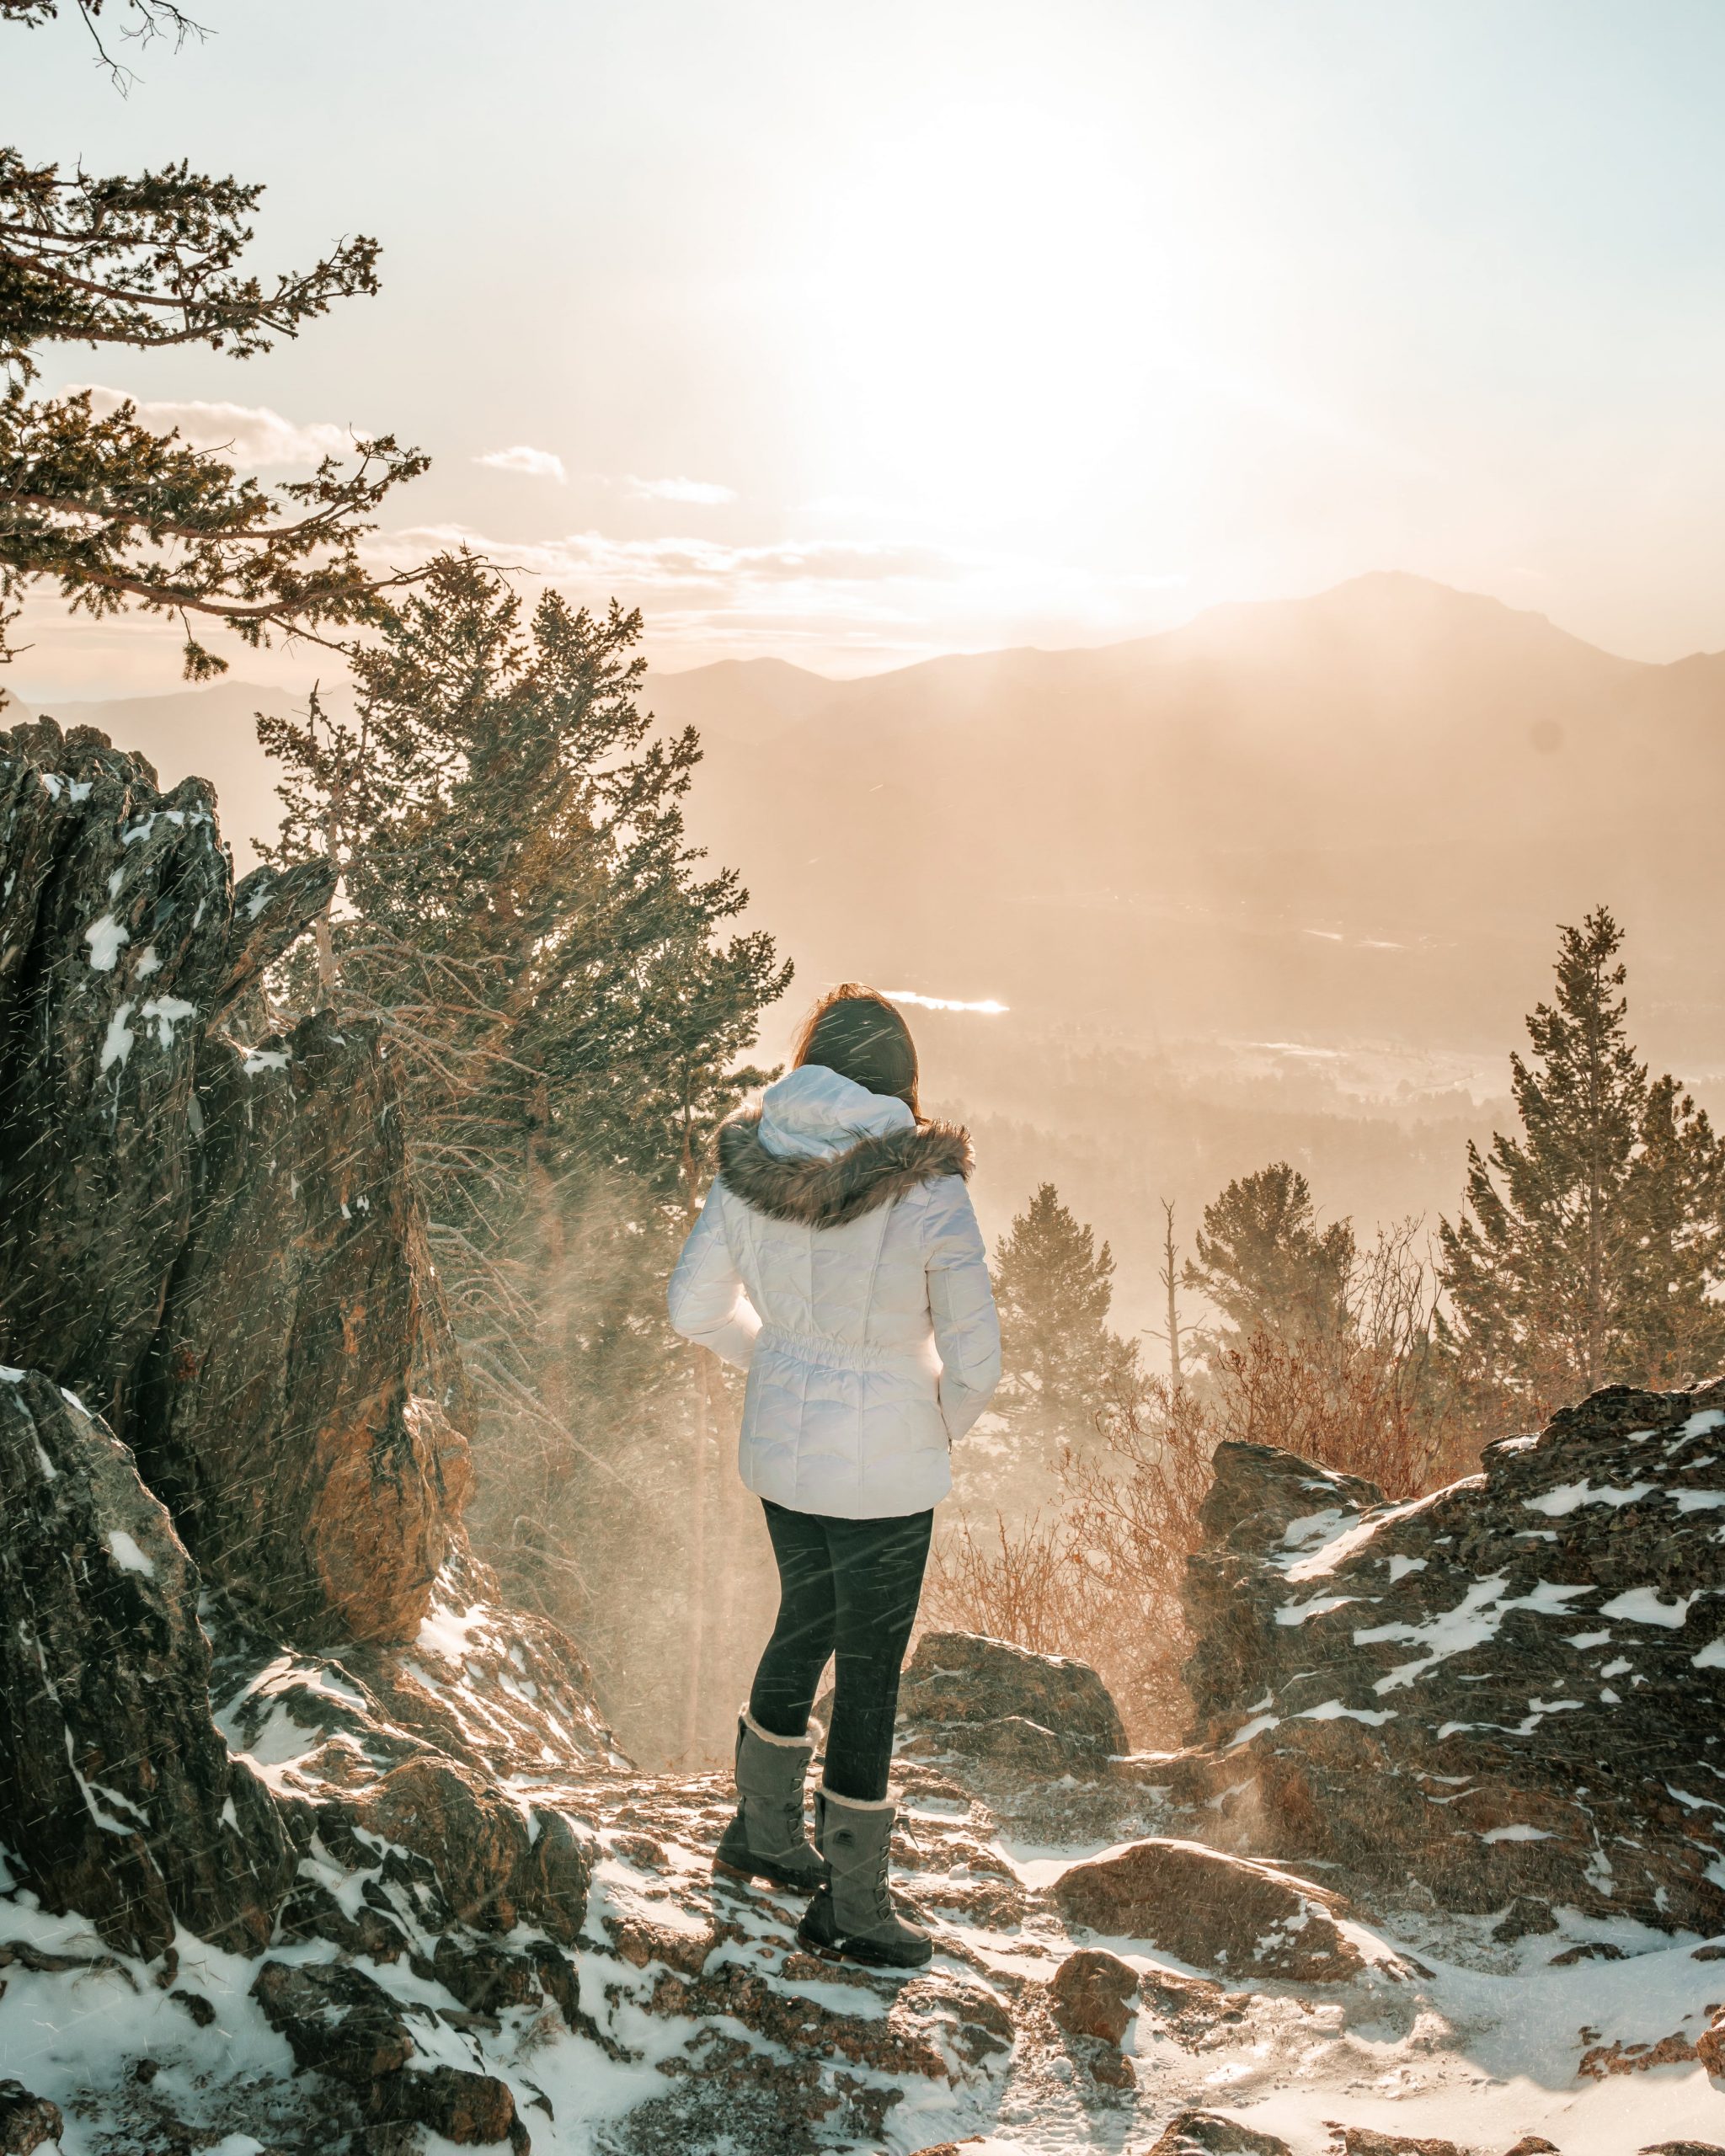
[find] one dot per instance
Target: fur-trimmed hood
(826, 1181)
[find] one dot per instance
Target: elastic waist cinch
(831, 1352)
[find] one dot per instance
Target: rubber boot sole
(761, 1876)
(863, 1954)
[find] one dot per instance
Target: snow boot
(854, 1917)
(766, 1839)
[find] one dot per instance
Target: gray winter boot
(766, 1839)
(855, 1916)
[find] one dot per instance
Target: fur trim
(855, 1803)
(806, 1742)
(827, 1191)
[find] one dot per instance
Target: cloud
(536, 463)
(248, 434)
(679, 490)
(828, 601)
(703, 568)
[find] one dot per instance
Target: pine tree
(520, 911)
(1061, 1363)
(112, 512)
(1589, 1251)
(1265, 1264)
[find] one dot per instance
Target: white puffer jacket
(837, 1259)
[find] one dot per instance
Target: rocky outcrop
(1002, 1710)
(215, 1243)
(118, 1798)
(1509, 1693)
(280, 1418)
(114, 929)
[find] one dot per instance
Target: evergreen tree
(520, 909)
(1061, 1364)
(1265, 1264)
(1589, 1251)
(113, 513)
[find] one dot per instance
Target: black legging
(849, 1588)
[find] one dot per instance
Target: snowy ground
(1487, 2047)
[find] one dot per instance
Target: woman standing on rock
(837, 1259)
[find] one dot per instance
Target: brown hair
(855, 1030)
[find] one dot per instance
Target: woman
(838, 1260)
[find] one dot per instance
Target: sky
(851, 334)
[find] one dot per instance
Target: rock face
(1512, 1692)
(114, 928)
(279, 1420)
(215, 1244)
(117, 1795)
(1001, 1707)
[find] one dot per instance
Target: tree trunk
(697, 1488)
(1595, 1190)
(1170, 1277)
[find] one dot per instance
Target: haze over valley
(1281, 882)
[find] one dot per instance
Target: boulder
(1023, 1717)
(1368, 2141)
(337, 2019)
(26, 2122)
(1207, 2134)
(1500, 1691)
(1214, 1911)
(117, 1798)
(1091, 1994)
(471, 2109)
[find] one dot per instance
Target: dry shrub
(1101, 1579)
(1378, 1398)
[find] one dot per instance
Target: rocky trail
(310, 1845)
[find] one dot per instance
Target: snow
(1711, 1656)
(1325, 1558)
(1568, 1497)
(1644, 1605)
(106, 939)
(1333, 1711)
(127, 1554)
(148, 963)
(93, 1793)
(1297, 1613)
(167, 1011)
(116, 1042)
(263, 1058)
(449, 1636)
(1470, 1624)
